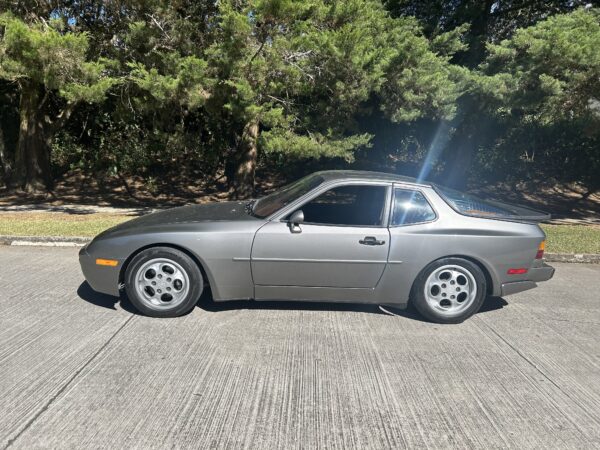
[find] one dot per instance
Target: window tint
(347, 205)
(410, 207)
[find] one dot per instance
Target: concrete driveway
(77, 370)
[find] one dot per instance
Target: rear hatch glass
(471, 205)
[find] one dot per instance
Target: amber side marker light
(540, 252)
(107, 262)
(516, 271)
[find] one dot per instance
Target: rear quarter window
(411, 207)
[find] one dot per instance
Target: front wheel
(163, 282)
(449, 290)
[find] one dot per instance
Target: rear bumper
(516, 286)
(535, 275)
(543, 273)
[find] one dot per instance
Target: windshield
(277, 200)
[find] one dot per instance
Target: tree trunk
(457, 171)
(32, 158)
(4, 161)
(246, 163)
(469, 131)
(479, 29)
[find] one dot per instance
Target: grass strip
(57, 224)
(572, 238)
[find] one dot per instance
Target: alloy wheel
(450, 289)
(162, 283)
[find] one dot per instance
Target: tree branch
(4, 161)
(159, 26)
(60, 120)
(262, 44)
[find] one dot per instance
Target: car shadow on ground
(86, 293)
(206, 302)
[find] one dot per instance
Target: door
(343, 242)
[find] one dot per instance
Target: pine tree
(50, 67)
(291, 76)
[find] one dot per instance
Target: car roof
(330, 175)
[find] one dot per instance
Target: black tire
(184, 305)
(418, 295)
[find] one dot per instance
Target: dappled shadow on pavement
(206, 303)
(74, 209)
(76, 193)
(568, 204)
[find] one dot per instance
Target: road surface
(77, 369)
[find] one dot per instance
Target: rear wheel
(163, 282)
(449, 290)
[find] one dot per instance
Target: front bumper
(102, 279)
(534, 275)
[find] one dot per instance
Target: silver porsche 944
(333, 236)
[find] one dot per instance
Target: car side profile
(333, 236)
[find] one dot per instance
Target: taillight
(516, 271)
(540, 252)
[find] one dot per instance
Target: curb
(572, 258)
(76, 241)
(45, 241)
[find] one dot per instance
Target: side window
(354, 205)
(410, 207)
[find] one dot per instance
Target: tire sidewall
(187, 263)
(418, 291)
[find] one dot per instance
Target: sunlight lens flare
(440, 140)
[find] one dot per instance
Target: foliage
(43, 54)
(543, 85)
(46, 63)
(551, 71)
(473, 88)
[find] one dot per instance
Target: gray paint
(249, 258)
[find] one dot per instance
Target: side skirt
(314, 294)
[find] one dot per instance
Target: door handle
(370, 240)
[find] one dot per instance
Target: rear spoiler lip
(536, 217)
(528, 219)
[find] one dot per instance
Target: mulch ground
(566, 203)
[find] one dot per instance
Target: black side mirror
(295, 220)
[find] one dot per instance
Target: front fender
(222, 249)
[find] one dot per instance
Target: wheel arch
(187, 251)
(490, 281)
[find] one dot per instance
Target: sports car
(333, 236)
